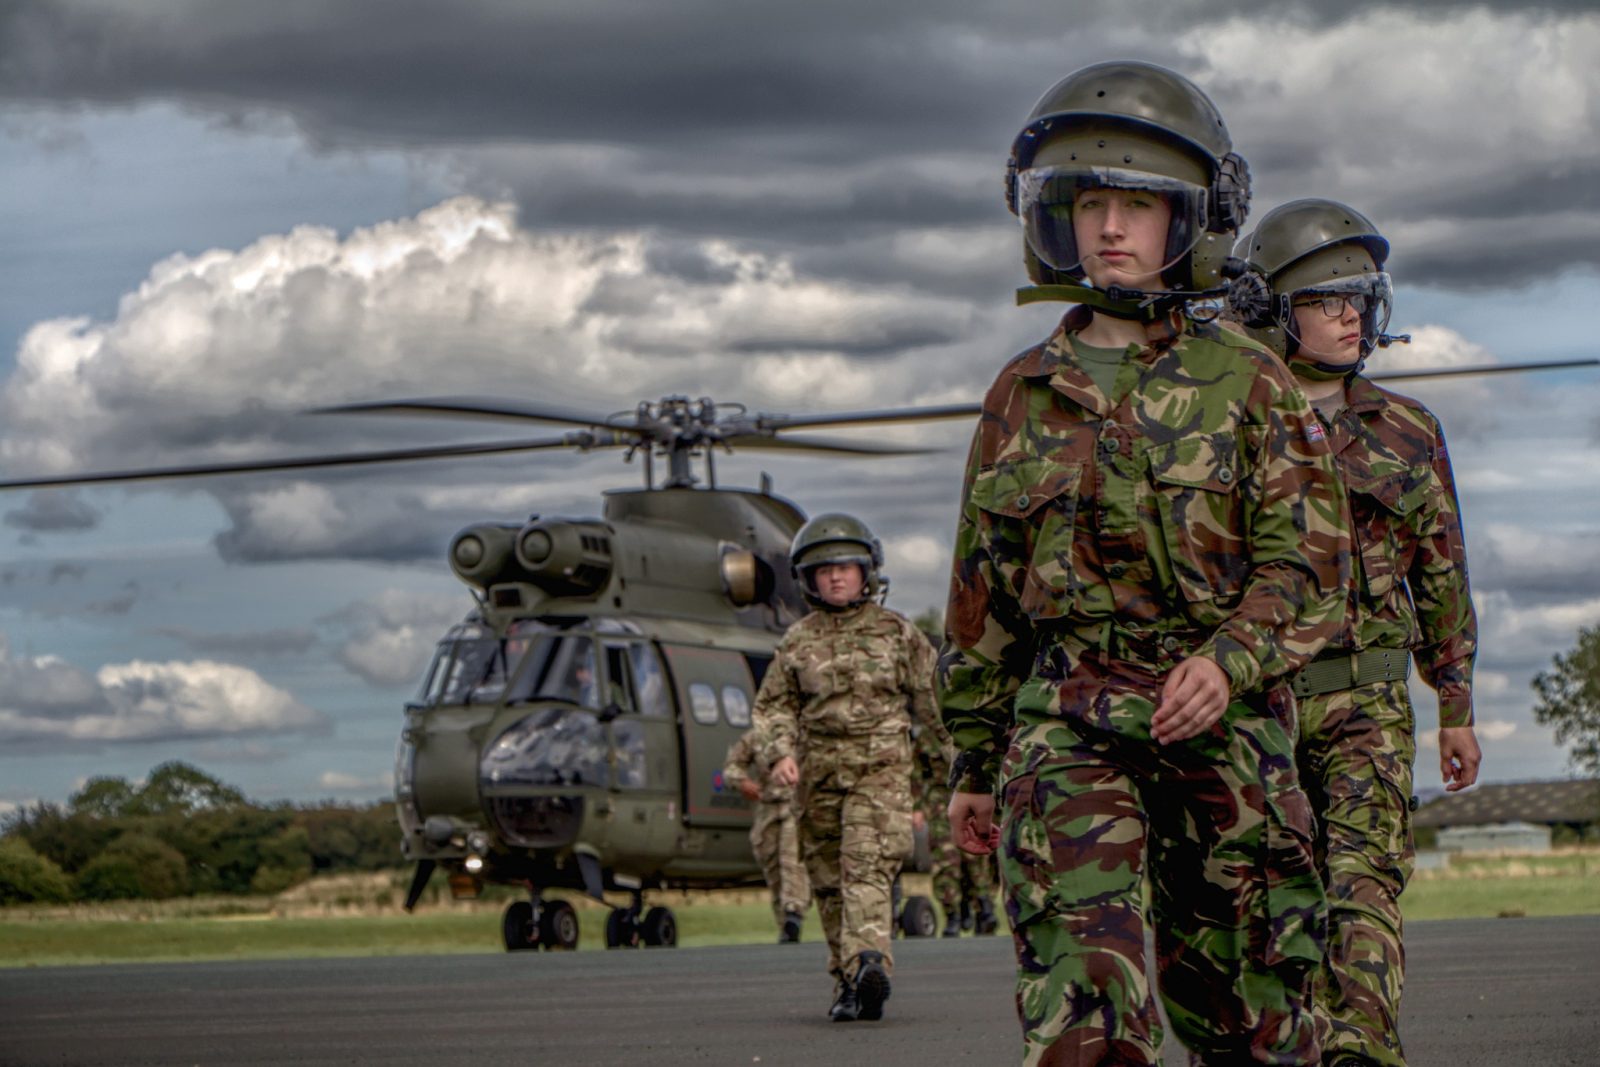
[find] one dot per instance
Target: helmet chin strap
(1317, 371)
(1134, 305)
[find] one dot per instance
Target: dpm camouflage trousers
(854, 800)
(775, 840)
(1221, 830)
(1357, 748)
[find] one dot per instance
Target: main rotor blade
(1487, 368)
(761, 442)
(579, 440)
(860, 418)
(471, 407)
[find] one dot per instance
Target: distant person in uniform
(834, 715)
(963, 883)
(774, 836)
(1321, 299)
(1152, 538)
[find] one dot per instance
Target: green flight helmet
(1130, 125)
(1306, 249)
(837, 538)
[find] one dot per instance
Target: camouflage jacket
(743, 766)
(1410, 588)
(1197, 514)
(856, 673)
(930, 772)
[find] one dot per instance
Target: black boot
(790, 935)
(952, 923)
(846, 1009)
(987, 922)
(871, 985)
(966, 915)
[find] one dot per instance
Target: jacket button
(1023, 502)
(1225, 476)
(1110, 444)
(1169, 643)
(1117, 570)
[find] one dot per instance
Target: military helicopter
(570, 732)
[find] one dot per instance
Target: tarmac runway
(1501, 992)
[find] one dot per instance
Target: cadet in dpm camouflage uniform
(1317, 295)
(1151, 540)
(774, 836)
(963, 883)
(834, 714)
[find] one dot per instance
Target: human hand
(1459, 757)
(750, 790)
(1193, 698)
(786, 771)
(919, 821)
(972, 823)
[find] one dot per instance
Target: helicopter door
(644, 747)
(714, 691)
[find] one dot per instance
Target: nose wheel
(535, 924)
(631, 926)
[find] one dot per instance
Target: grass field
(356, 916)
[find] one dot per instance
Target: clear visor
(1316, 312)
(1072, 214)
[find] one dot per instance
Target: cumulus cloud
(53, 511)
(47, 701)
(208, 358)
(393, 635)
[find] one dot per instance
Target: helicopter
(569, 733)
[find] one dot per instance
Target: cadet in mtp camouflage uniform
(774, 836)
(1317, 295)
(963, 883)
(1151, 540)
(834, 714)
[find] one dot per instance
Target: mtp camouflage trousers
(1223, 833)
(854, 801)
(1357, 748)
(775, 840)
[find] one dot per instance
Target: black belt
(1346, 670)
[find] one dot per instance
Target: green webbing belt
(1346, 670)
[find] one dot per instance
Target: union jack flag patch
(1314, 432)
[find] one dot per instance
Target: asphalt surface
(1479, 992)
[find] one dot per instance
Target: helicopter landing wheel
(917, 918)
(660, 928)
(622, 928)
(518, 928)
(558, 927)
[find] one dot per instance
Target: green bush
(134, 866)
(29, 878)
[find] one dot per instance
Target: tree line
(182, 833)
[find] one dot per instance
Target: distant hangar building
(1515, 816)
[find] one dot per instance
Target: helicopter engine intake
(566, 558)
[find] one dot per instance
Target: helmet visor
(1370, 296)
(1070, 213)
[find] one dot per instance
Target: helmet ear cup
(1230, 194)
(1250, 299)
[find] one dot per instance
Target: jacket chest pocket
(1029, 507)
(1386, 513)
(1195, 490)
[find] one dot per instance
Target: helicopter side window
(649, 682)
(619, 690)
(736, 706)
(572, 674)
(703, 704)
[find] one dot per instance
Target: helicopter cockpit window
(472, 665)
(649, 682)
(619, 680)
(736, 706)
(566, 671)
(554, 746)
(703, 704)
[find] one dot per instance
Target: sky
(216, 217)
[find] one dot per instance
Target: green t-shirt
(1101, 364)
